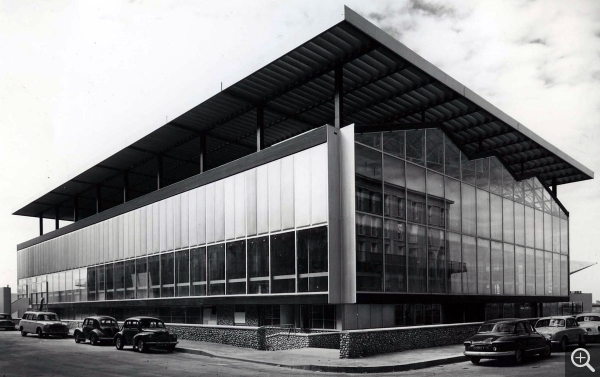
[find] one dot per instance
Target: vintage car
(561, 331)
(590, 322)
(144, 333)
(97, 329)
(6, 322)
(508, 337)
(42, 324)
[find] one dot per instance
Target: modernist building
(347, 184)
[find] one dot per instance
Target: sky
(80, 80)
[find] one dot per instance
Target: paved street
(31, 356)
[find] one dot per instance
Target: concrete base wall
(361, 343)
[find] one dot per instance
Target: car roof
(557, 317)
(99, 317)
(36, 312)
(587, 314)
(511, 320)
(143, 317)
(5, 314)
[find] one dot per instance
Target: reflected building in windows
(348, 184)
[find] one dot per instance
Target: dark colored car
(6, 322)
(97, 330)
(144, 333)
(508, 337)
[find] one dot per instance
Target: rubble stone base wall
(359, 343)
(233, 336)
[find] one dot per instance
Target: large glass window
(368, 180)
(258, 265)
(393, 143)
(548, 273)
(483, 267)
(539, 230)
(141, 277)
(91, 284)
(372, 139)
(469, 210)
(216, 269)
(519, 224)
(417, 259)
(182, 259)
(539, 273)
(119, 279)
(469, 257)
(509, 269)
(452, 203)
(483, 213)
(468, 170)
(436, 260)
(555, 274)
(312, 260)
(394, 202)
(167, 275)
(496, 217)
(529, 227)
(198, 271)
(415, 146)
(100, 281)
(455, 267)
(369, 253)
(236, 267)
(415, 182)
(452, 159)
(436, 208)
(508, 224)
(283, 266)
(496, 176)
(530, 272)
(497, 267)
(154, 276)
(564, 236)
(519, 270)
(482, 171)
(129, 279)
(564, 276)
(395, 256)
(435, 150)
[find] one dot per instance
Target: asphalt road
(30, 356)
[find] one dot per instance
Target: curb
(339, 369)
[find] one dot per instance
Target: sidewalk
(327, 360)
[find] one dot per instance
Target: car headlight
(589, 330)
(548, 336)
(46, 327)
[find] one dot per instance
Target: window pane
(415, 146)
(453, 218)
(436, 260)
(495, 176)
(497, 266)
(372, 139)
(482, 170)
(539, 229)
(395, 256)
(198, 271)
(436, 211)
(555, 234)
(454, 265)
(509, 269)
(100, 280)
(507, 185)
(368, 180)
(415, 177)
(469, 258)
(283, 266)
(483, 213)
(519, 224)
(548, 273)
(530, 279)
(539, 273)
(216, 269)
(564, 276)
(483, 266)
(167, 275)
(519, 270)
(154, 277)
(258, 265)
(452, 158)
(119, 275)
(369, 253)
(394, 188)
(555, 274)
(496, 217)
(529, 227)
(547, 231)
(236, 267)
(141, 278)
(183, 273)
(508, 225)
(312, 258)
(468, 169)
(468, 209)
(564, 236)
(435, 149)
(393, 143)
(519, 194)
(109, 281)
(417, 259)
(129, 279)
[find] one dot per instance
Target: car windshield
(591, 318)
(152, 323)
(48, 317)
(550, 323)
(5, 316)
(497, 327)
(108, 322)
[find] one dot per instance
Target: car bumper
(7, 327)
(56, 332)
(161, 344)
(594, 338)
(489, 355)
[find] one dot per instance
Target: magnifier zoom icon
(581, 358)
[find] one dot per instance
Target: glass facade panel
(455, 268)
(236, 267)
(251, 208)
(393, 143)
(555, 234)
(530, 272)
(415, 146)
(483, 213)
(258, 265)
(547, 231)
(468, 170)
(312, 260)
(394, 202)
(182, 260)
(555, 274)
(154, 277)
(496, 217)
(368, 180)
(216, 269)
(495, 176)
(167, 275)
(564, 276)
(519, 224)
(548, 273)
(436, 208)
(119, 279)
(469, 257)
(436, 259)
(520, 270)
(141, 277)
(564, 236)
(539, 230)
(497, 267)
(529, 227)
(469, 209)
(417, 259)
(482, 171)
(283, 263)
(100, 283)
(372, 139)
(395, 256)
(129, 277)
(539, 273)
(435, 149)
(451, 158)
(507, 185)
(369, 253)
(483, 267)
(415, 179)
(509, 269)
(453, 205)
(198, 271)
(508, 223)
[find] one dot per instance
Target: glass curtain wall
(428, 219)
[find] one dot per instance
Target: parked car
(590, 322)
(43, 324)
(144, 333)
(6, 322)
(508, 337)
(96, 329)
(561, 331)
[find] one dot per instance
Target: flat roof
(384, 83)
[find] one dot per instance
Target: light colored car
(591, 323)
(561, 331)
(43, 324)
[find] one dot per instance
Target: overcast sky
(80, 80)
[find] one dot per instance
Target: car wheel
(519, 355)
(475, 360)
(546, 352)
(23, 333)
(141, 345)
(581, 341)
(119, 343)
(94, 340)
(563, 344)
(39, 333)
(76, 336)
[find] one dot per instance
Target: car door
(130, 330)
(572, 332)
(86, 328)
(29, 323)
(522, 336)
(535, 340)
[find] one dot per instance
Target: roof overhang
(384, 83)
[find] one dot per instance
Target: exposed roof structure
(384, 83)
(576, 266)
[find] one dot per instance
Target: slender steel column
(159, 172)
(56, 217)
(125, 186)
(339, 97)
(98, 199)
(554, 188)
(41, 225)
(75, 209)
(260, 127)
(202, 152)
